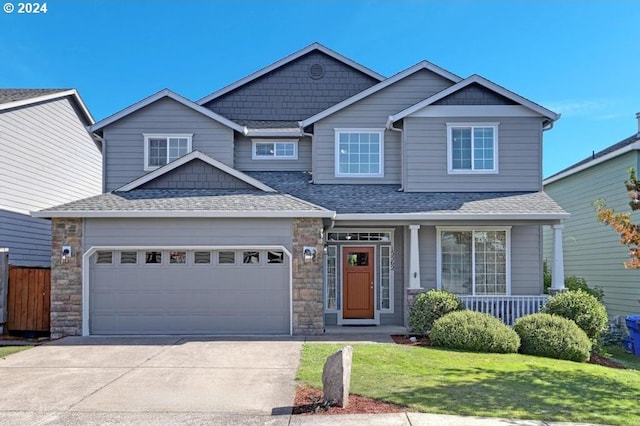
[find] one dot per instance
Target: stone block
(336, 377)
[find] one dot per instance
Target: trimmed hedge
(430, 306)
(475, 332)
(581, 307)
(552, 336)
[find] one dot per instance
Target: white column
(557, 268)
(414, 259)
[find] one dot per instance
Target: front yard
(513, 386)
(8, 350)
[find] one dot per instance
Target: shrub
(475, 332)
(581, 307)
(552, 336)
(430, 306)
(573, 283)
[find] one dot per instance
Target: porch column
(414, 259)
(557, 268)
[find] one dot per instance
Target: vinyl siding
(243, 148)
(526, 258)
(124, 140)
(593, 250)
(192, 231)
(372, 112)
(196, 174)
(519, 156)
(47, 157)
(28, 239)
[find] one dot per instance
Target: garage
(189, 290)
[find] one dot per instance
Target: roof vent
(316, 71)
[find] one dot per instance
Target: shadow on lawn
(538, 393)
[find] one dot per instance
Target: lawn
(8, 350)
(512, 386)
(617, 353)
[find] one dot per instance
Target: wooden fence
(29, 299)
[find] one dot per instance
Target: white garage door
(174, 291)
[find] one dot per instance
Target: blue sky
(577, 58)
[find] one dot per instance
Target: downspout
(303, 134)
(402, 149)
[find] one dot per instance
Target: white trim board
(86, 263)
(424, 65)
(188, 158)
(287, 59)
(49, 97)
(166, 93)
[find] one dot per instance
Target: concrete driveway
(161, 380)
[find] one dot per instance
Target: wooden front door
(358, 282)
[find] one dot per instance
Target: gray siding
(372, 112)
(243, 147)
(519, 156)
(289, 93)
(593, 250)
(47, 157)
(192, 231)
(196, 174)
(124, 140)
(474, 94)
(28, 239)
(526, 259)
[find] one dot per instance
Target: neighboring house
(593, 250)
(47, 157)
(311, 193)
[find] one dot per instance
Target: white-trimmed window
(472, 147)
(274, 150)
(359, 152)
(161, 149)
(474, 261)
(331, 279)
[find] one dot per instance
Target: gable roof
(475, 79)
(423, 65)
(629, 144)
(286, 60)
(15, 98)
(165, 93)
(190, 157)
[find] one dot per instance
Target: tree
(621, 222)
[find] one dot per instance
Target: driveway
(150, 380)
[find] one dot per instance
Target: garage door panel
(189, 299)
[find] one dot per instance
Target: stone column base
(411, 296)
(554, 291)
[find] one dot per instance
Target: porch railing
(506, 308)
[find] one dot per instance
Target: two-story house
(314, 192)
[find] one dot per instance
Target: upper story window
(359, 152)
(275, 150)
(472, 148)
(160, 149)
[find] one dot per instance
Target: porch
(506, 308)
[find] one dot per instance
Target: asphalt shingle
(14, 95)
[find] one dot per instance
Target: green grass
(494, 385)
(617, 353)
(8, 350)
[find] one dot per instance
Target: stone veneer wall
(66, 278)
(308, 312)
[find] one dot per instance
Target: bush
(430, 306)
(552, 336)
(581, 307)
(573, 283)
(475, 332)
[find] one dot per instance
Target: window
(153, 257)
(275, 257)
(105, 257)
(275, 150)
(202, 257)
(474, 262)
(226, 257)
(162, 149)
(385, 277)
(251, 257)
(128, 257)
(359, 152)
(472, 148)
(177, 257)
(332, 278)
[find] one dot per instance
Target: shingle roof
(268, 124)
(181, 200)
(625, 142)
(14, 95)
(382, 199)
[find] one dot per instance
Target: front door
(358, 282)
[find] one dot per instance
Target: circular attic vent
(316, 71)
